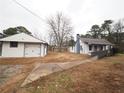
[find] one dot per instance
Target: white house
(90, 46)
(22, 45)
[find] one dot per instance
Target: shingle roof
(95, 41)
(22, 37)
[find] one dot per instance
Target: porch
(100, 50)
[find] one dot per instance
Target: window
(13, 44)
(95, 48)
(90, 47)
(101, 48)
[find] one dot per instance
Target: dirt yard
(103, 76)
(64, 57)
(51, 57)
(13, 77)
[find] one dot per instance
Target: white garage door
(32, 50)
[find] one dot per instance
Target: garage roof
(22, 37)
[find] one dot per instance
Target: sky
(83, 13)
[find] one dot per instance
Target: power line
(28, 10)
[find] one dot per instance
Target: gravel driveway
(7, 71)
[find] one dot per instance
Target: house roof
(95, 41)
(22, 37)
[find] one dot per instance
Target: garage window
(13, 44)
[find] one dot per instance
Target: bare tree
(118, 28)
(37, 35)
(59, 29)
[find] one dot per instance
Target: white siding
(43, 50)
(8, 51)
(85, 48)
(24, 50)
(71, 49)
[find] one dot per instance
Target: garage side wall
(8, 51)
(46, 50)
(43, 50)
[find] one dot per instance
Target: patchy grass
(29, 64)
(116, 58)
(120, 54)
(64, 57)
(115, 62)
(62, 81)
(51, 57)
(103, 76)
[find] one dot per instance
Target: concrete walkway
(44, 69)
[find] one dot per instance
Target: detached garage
(22, 45)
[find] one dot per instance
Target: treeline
(109, 30)
(15, 30)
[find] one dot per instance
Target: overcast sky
(83, 13)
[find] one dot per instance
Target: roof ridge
(22, 37)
